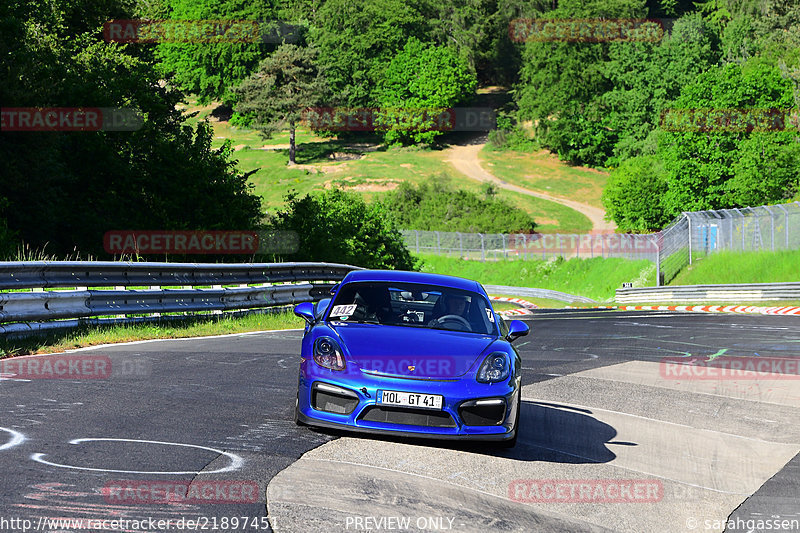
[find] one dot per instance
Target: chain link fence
(687, 238)
(495, 246)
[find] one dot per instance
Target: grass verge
(742, 267)
(192, 327)
(595, 278)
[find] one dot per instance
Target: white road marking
(17, 438)
(236, 461)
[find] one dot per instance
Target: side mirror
(320, 307)
(516, 328)
(305, 310)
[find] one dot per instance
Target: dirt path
(465, 159)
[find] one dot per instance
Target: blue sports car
(410, 354)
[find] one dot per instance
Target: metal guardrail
(538, 293)
(754, 292)
(52, 274)
(40, 309)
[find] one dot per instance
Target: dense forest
(596, 102)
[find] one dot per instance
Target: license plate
(410, 399)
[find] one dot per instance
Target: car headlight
(328, 354)
(494, 369)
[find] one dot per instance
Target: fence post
(524, 246)
(416, 234)
(741, 217)
(483, 249)
(460, 245)
(688, 218)
(438, 244)
(505, 251)
(771, 226)
(785, 224)
(658, 260)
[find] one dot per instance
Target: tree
(719, 169)
(646, 77)
(209, 69)
(66, 189)
(420, 78)
(286, 84)
(562, 83)
(435, 205)
(340, 227)
(632, 195)
(357, 39)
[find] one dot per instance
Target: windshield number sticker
(490, 315)
(343, 311)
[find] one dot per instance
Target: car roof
(452, 282)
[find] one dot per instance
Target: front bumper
(359, 410)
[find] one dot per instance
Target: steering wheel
(409, 316)
(452, 318)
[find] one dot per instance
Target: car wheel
(297, 411)
(510, 443)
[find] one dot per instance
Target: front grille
(472, 413)
(409, 417)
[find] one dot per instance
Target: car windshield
(413, 305)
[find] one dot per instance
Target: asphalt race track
(213, 417)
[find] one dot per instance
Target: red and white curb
(525, 306)
(746, 309)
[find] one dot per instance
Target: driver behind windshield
(452, 304)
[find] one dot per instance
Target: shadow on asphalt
(548, 433)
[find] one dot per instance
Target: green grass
(191, 327)
(596, 278)
(541, 171)
(741, 267)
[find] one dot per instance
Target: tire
(297, 411)
(510, 443)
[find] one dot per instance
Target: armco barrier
(754, 292)
(38, 310)
(538, 293)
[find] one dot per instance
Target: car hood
(411, 352)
